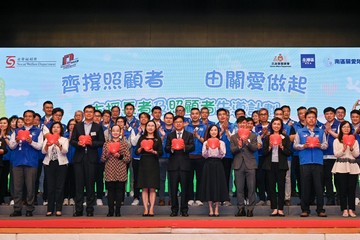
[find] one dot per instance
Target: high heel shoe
(345, 213)
(58, 213)
(352, 214)
(274, 213)
(49, 214)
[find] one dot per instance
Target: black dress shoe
(241, 213)
(184, 214)
(90, 214)
(173, 214)
(250, 213)
(151, 215)
(29, 214)
(16, 214)
(77, 214)
(110, 214)
(117, 214)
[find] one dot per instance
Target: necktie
(179, 135)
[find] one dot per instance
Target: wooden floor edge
(180, 230)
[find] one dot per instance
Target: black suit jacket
(179, 159)
(283, 154)
(91, 152)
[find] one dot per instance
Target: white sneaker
(71, 202)
(357, 201)
(45, 203)
(191, 202)
(227, 203)
(199, 203)
(66, 202)
(135, 202)
(12, 203)
(99, 202)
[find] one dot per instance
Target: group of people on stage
(265, 161)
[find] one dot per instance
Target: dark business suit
(179, 169)
(276, 171)
(85, 164)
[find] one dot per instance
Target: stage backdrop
(248, 78)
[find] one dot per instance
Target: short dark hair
(355, 111)
(48, 102)
(156, 108)
(129, 104)
(144, 113)
(221, 110)
(278, 109)
(89, 106)
(241, 119)
(115, 107)
(341, 107)
(106, 111)
(177, 117)
(285, 106)
(300, 108)
(169, 113)
(329, 109)
(55, 110)
(310, 112)
(30, 111)
(240, 110)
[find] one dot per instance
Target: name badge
(93, 134)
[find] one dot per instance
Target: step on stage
(132, 225)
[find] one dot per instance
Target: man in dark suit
(85, 160)
(179, 166)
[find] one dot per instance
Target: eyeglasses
(179, 110)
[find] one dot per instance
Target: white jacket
(62, 158)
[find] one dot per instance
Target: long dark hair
(156, 134)
(207, 135)
(341, 134)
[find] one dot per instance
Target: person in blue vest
(180, 111)
(156, 113)
(331, 131)
(198, 130)
(164, 158)
(131, 120)
(355, 125)
(311, 164)
(48, 107)
(226, 130)
(340, 113)
(263, 130)
(115, 112)
(25, 161)
(295, 163)
(204, 116)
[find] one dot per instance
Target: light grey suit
(244, 165)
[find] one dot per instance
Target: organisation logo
(69, 61)
(280, 61)
(307, 60)
(28, 62)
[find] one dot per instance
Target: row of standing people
(227, 162)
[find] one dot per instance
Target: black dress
(149, 168)
(213, 181)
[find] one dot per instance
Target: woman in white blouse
(55, 165)
(346, 169)
(213, 181)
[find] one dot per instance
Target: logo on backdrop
(69, 61)
(13, 62)
(280, 61)
(307, 60)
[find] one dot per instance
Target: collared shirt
(87, 127)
